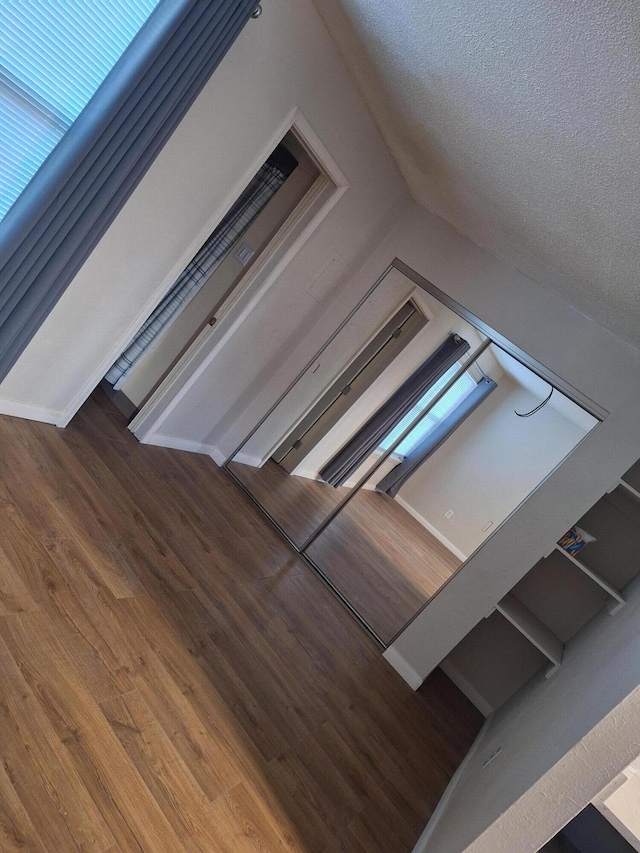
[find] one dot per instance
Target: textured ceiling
(519, 123)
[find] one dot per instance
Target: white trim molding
(433, 530)
(246, 459)
(285, 245)
(403, 668)
(175, 443)
(30, 412)
(218, 456)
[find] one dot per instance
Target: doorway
(210, 283)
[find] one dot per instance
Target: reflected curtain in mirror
(395, 479)
(368, 438)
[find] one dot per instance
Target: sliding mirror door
(327, 432)
(460, 472)
(404, 445)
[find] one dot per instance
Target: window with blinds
(53, 56)
(465, 384)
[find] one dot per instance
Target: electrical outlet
(448, 513)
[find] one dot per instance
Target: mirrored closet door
(402, 446)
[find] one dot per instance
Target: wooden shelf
(532, 628)
(615, 594)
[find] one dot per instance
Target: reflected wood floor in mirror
(385, 563)
(174, 678)
(298, 504)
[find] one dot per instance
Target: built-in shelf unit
(530, 627)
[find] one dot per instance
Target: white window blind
(53, 56)
(465, 384)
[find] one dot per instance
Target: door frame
(277, 254)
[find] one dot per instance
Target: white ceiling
(518, 122)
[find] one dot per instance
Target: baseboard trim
(29, 411)
(175, 443)
(422, 844)
(307, 473)
(403, 668)
(248, 459)
(218, 456)
(433, 530)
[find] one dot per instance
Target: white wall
(489, 466)
(284, 60)
(563, 739)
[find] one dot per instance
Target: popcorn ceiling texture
(519, 123)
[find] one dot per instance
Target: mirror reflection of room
(476, 455)
(486, 431)
(399, 331)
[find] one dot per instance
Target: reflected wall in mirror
(405, 443)
(400, 346)
(477, 454)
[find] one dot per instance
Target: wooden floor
(385, 563)
(298, 504)
(174, 679)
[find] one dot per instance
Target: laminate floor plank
(14, 594)
(175, 679)
(78, 630)
(197, 665)
(379, 828)
(108, 776)
(298, 504)
(17, 833)
(385, 563)
(38, 766)
(181, 799)
(130, 659)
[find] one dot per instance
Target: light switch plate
(244, 254)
